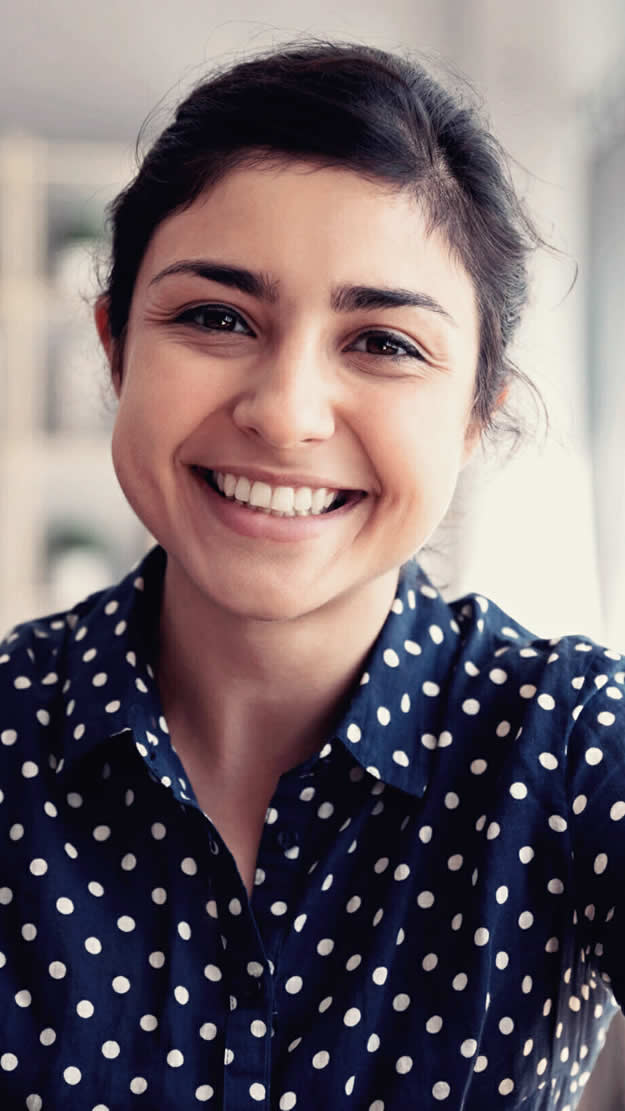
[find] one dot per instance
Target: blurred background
(544, 535)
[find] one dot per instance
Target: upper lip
(258, 474)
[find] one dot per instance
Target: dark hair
(386, 118)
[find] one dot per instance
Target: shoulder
(550, 682)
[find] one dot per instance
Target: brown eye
(212, 318)
(389, 346)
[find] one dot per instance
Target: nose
(288, 400)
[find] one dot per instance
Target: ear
(102, 323)
(472, 440)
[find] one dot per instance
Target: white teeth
(318, 500)
(242, 489)
(302, 501)
(285, 501)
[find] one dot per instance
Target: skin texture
(296, 387)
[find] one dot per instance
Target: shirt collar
(390, 727)
(393, 723)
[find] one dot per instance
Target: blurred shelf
(64, 518)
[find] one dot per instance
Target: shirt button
(287, 839)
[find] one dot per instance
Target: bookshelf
(65, 527)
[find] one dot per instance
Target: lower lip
(264, 526)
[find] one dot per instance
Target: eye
(213, 318)
(390, 346)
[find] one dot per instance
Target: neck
(258, 693)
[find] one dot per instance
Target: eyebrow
(345, 298)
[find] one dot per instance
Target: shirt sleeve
(596, 817)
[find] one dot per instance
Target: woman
(284, 828)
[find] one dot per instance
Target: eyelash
(390, 338)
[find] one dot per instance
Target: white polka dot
(601, 863)
(65, 906)
(434, 1024)
(403, 1065)
(593, 756)
(352, 1017)
(401, 1002)
(527, 691)
(325, 947)
(379, 975)
(93, 945)
(617, 811)
(102, 833)
(481, 936)
(555, 886)
(526, 919)
(460, 981)
(400, 757)
(506, 1087)
(526, 854)
(121, 985)
(321, 1059)
(138, 1085)
(480, 1064)
(468, 1047)
(501, 894)
(181, 995)
(518, 791)
(149, 1023)
(287, 1101)
(294, 984)
(57, 970)
(208, 1031)
(430, 689)
(158, 831)
(111, 1050)
(506, 1025)
(29, 769)
(546, 701)
(425, 899)
(72, 1075)
(471, 706)
(278, 908)
(175, 1058)
(353, 733)
(606, 718)
(47, 1036)
(204, 1093)
(212, 972)
(429, 962)
(441, 1089)
(557, 823)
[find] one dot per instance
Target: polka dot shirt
(436, 918)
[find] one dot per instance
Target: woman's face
(336, 348)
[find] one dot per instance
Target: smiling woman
(318, 837)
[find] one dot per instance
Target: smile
(278, 501)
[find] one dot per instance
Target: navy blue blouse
(436, 918)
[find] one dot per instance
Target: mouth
(334, 499)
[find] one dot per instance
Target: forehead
(310, 226)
